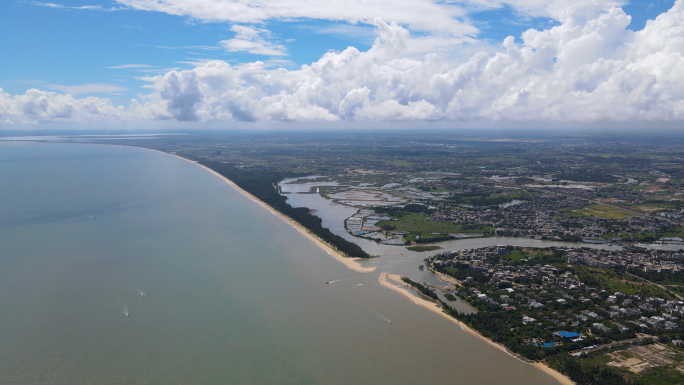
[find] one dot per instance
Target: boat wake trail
(337, 280)
(125, 311)
(382, 316)
(142, 294)
(367, 301)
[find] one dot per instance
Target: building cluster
(646, 261)
(546, 217)
(554, 298)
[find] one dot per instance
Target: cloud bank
(589, 67)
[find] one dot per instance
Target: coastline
(351, 263)
(445, 278)
(385, 279)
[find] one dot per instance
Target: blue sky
(62, 46)
(111, 49)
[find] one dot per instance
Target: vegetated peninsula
(263, 185)
(598, 317)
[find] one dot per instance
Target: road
(655, 284)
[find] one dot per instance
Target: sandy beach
(351, 263)
(394, 282)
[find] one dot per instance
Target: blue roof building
(568, 334)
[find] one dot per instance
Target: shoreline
(445, 278)
(353, 264)
(385, 279)
(350, 263)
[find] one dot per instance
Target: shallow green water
(232, 295)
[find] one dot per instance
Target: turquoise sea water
(232, 294)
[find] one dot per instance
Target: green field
(661, 376)
(527, 253)
(521, 194)
(517, 255)
(400, 163)
(416, 223)
(674, 232)
(599, 211)
(613, 281)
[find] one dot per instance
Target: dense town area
(539, 302)
(610, 316)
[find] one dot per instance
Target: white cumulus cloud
(36, 106)
(583, 69)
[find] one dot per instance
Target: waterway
(398, 259)
(333, 215)
(231, 294)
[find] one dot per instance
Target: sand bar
(351, 263)
(395, 283)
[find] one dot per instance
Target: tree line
(262, 184)
(409, 208)
(424, 290)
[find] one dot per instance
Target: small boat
(327, 282)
